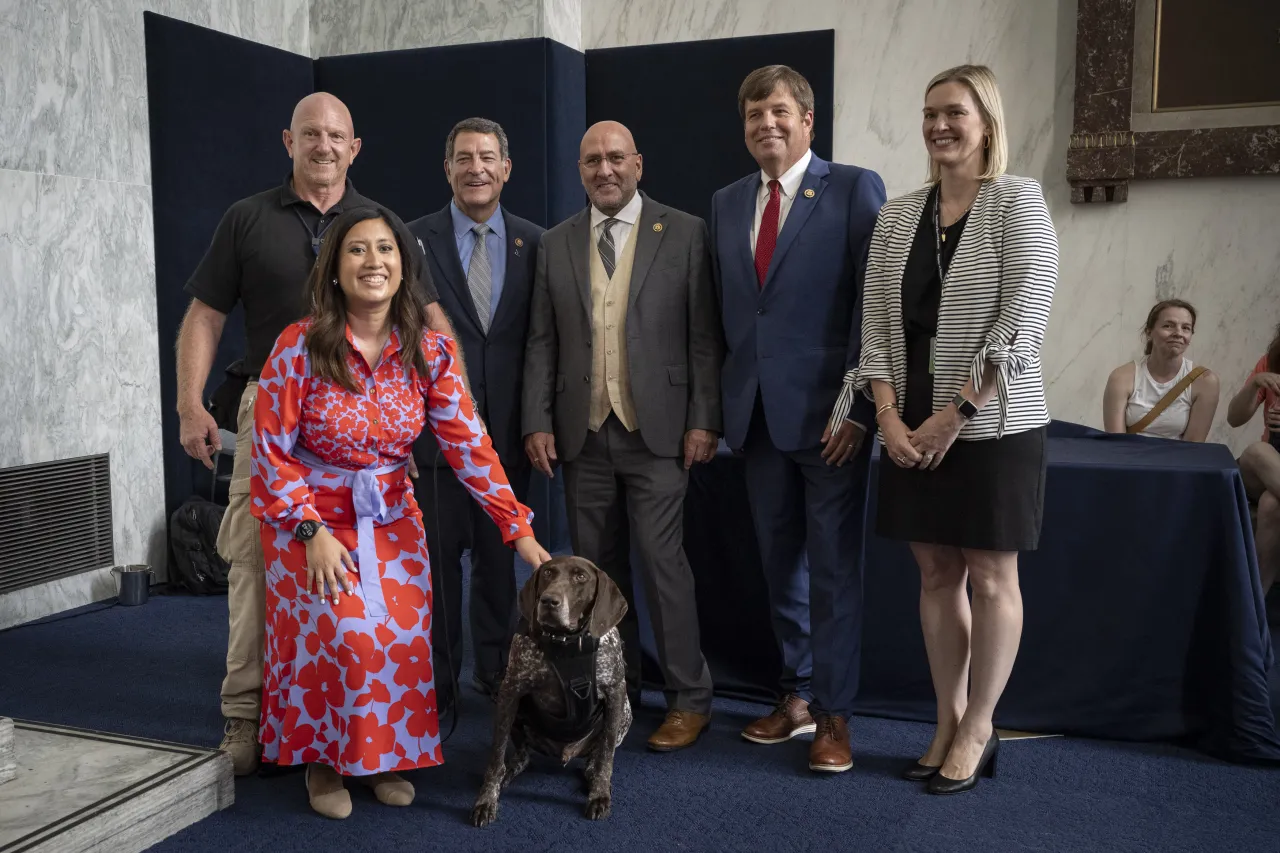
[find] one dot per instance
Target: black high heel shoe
(940, 784)
(917, 772)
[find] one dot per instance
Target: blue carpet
(154, 671)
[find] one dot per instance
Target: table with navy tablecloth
(1144, 617)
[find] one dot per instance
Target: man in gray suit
(622, 385)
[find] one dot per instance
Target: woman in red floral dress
(348, 688)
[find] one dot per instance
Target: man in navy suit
(482, 260)
(790, 244)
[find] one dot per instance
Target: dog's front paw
(598, 808)
(485, 813)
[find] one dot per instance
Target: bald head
(319, 107)
(609, 165)
(611, 134)
(322, 143)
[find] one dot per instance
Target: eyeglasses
(615, 159)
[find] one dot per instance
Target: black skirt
(987, 495)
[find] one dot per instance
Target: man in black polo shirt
(261, 256)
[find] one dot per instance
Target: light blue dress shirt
(495, 242)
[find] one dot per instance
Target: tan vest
(610, 376)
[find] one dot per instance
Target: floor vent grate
(55, 521)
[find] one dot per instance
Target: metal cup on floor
(135, 583)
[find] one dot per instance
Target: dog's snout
(550, 600)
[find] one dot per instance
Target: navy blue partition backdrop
(217, 105)
(680, 101)
(532, 87)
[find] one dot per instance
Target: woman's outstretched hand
(531, 552)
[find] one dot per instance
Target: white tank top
(1172, 422)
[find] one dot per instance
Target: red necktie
(767, 239)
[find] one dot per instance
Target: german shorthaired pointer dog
(565, 689)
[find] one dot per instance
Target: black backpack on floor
(193, 537)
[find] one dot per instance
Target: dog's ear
(610, 605)
(529, 599)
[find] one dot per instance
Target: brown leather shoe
(678, 730)
(831, 751)
(788, 719)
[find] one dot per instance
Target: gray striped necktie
(608, 253)
(480, 276)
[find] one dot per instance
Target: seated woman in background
(1260, 462)
(1163, 394)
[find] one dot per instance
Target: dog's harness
(572, 657)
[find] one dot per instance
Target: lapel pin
(519, 242)
(809, 193)
(657, 226)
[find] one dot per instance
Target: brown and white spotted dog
(565, 689)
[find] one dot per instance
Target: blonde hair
(981, 82)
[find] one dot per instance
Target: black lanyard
(937, 236)
(937, 233)
(317, 237)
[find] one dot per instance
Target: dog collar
(579, 641)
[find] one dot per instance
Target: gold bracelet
(883, 408)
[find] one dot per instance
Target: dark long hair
(1273, 353)
(1157, 310)
(327, 338)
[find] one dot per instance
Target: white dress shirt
(627, 218)
(790, 181)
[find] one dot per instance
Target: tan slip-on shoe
(389, 788)
(326, 792)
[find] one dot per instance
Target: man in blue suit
(482, 259)
(790, 245)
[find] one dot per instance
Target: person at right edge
(789, 242)
(960, 279)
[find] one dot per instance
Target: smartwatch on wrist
(967, 409)
(306, 530)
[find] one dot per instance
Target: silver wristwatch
(967, 409)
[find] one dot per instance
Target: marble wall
(77, 271)
(562, 21)
(366, 26)
(1212, 242)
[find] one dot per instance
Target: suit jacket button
(760, 311)
(586, 379)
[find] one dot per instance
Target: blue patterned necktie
(480, 276)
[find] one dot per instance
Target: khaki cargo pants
(240, 544)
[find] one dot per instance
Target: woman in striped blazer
(960, 278)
